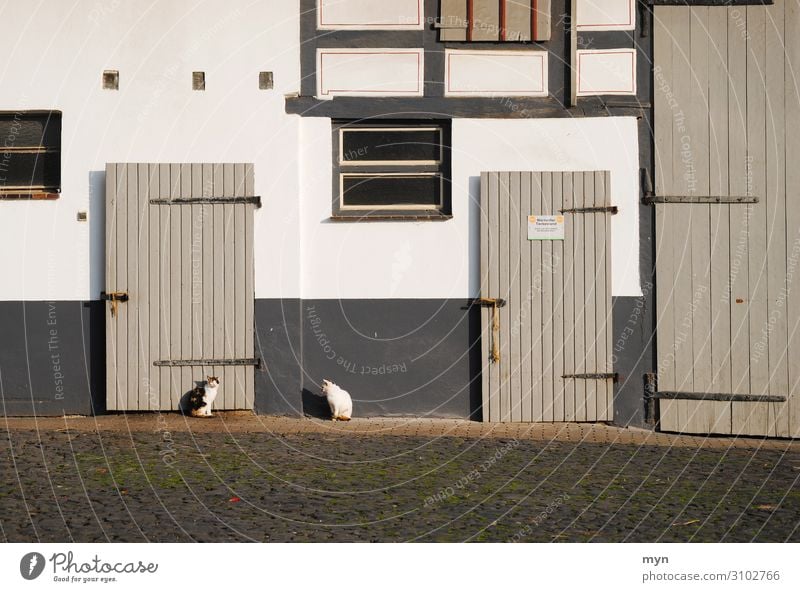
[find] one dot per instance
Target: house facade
(452, 209)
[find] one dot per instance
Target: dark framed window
(30, 154)
(390, 169)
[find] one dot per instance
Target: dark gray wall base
(279, 380)
(52, 359)
(396, 357)
(633, 351)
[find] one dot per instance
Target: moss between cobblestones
(215, 487)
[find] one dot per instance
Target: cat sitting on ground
(202, 397)
(339, 401)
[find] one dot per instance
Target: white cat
(202, 398)
(339, 400)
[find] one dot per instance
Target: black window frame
(344, 168)
(47, 148)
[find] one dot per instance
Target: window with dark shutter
(30, 154)
(391, 169)
(494, 20)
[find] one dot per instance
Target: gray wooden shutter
(495, 20)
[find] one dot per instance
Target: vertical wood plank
(526, 291)
(545, 272)
(739, 216)
(219, 283)
(514, 227)
(775, 206)
(557, 283)
(609, 303)
(154, 277)
(239, 240)
(663, 47)
(229, 188)
(720, 295)
(123, 332)
(485, 292)
(505, 283)
(177, 383)
(537, 360)
(196, 259)
(701, 416)
(752, 418)
(590, 287)
(249, 288)
(579, 263)
(600, 303)
(112, 199)
(567, 283)
(165, 288)
(682, 246)
(495, 289)
(143, 287)
(132, 286)
(792, 116)
(188, 374)
(209, 279)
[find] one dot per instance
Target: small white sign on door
(545, 227)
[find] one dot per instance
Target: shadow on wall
(97, 233)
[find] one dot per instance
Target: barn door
(727, 139)
(179, 283)
(546, 296)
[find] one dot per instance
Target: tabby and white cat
(202, 397)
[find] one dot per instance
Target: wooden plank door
(546, 346)
(179, 283)
(727, 218)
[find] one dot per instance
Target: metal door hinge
(211, 362)
(592, 210)
(114, 298)
(594, 376)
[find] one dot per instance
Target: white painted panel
(155, 116)
(606, 15)
(606, 72)
(369, 72)
(495, 73)
(370, 14)
(441, 259)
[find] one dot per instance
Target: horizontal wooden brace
(216, 362)
(719, 397)
(597, 376)
(699, 199)
(593, 210)
(253, 199)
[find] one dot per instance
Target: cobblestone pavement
(162, 480)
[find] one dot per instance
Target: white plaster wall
(604, 143)
(440, 259)
(373, 259)
(54, 53)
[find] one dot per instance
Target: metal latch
(114, 298)
(495, 303)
